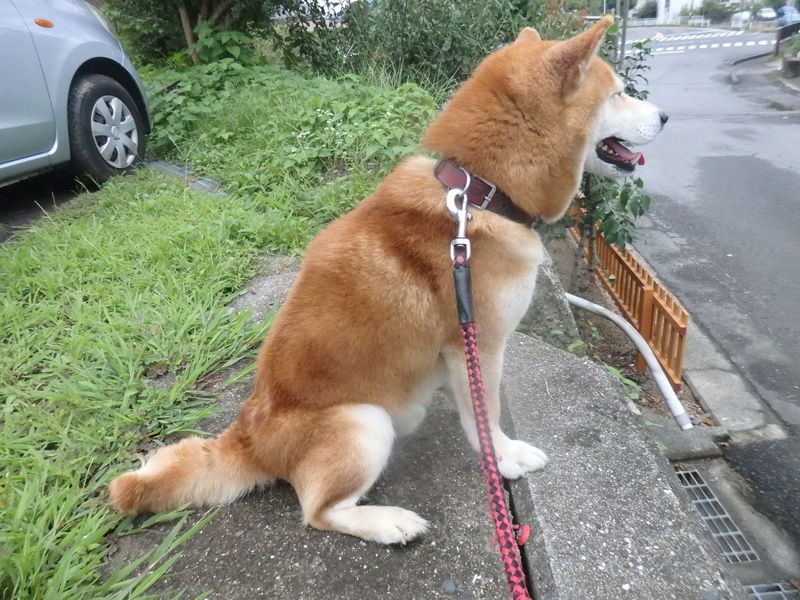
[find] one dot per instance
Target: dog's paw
(394, 525)
(381, 524)
(515, 458)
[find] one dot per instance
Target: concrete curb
(609, 518)
(734, 75)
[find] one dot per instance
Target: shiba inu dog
(369, 331)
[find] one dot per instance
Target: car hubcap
(114, 132)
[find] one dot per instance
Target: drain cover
(772, 591)
(735, 548)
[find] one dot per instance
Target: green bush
(435, 43)
(794, 47)
(151, 29)
(648, 10)
(716, 11)
(305, 149)
(611, 206)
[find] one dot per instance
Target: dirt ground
(604, 342)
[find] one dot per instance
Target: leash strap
(498, 508)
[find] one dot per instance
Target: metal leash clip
(460, 244)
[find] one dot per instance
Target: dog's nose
(664, 118)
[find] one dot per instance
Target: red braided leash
(504, 529)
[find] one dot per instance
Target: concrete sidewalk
(609, 519)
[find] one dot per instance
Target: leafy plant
(214, 44)
(612, 208)
(716, 11)
(648, 10)
(607, 205)
(577, 347)
(156, 29)
(633, 67)
(301, 150)
(632, 389)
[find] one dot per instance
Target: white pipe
(675, 406)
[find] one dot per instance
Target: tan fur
(370, 330)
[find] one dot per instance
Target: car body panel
(766, 13)
(78, 42)
(27, 126)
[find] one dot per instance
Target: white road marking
(660, 37)
(714, 45)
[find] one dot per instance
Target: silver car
(69, 95)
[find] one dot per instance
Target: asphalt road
(724, 227)
(724, 231)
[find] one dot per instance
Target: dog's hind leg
(515, 457)
(345, 457)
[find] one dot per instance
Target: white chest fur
(511, 296)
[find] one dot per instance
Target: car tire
(106, 129)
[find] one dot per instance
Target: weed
(434, 44)
(632, 389)
(577, 347)
(302, 150)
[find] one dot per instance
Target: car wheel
(106, 129)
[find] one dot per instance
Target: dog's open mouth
(612, 151)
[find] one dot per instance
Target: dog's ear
(570, 59)
(529, 34)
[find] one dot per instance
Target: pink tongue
(624, 153)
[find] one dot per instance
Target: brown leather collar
(480, 193)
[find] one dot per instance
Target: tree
(648, 10)
(205, 11)
(716, 11)
(156, 28)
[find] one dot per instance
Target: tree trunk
(202, 14)
(188, 34)
(220, 11)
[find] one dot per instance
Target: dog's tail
(196, 471)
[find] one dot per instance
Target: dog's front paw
(515, 458)
(390, 524)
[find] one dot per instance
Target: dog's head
(624, 121)
(536, 113)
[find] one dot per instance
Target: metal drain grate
(772, 591)
(735, 548)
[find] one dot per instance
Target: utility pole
(626, 4)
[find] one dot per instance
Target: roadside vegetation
(126, 288)
(114, 308)
(96, 301)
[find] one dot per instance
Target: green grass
(130, 283)
(124, 284)
(306, 149)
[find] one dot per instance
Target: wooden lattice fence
(656, 314)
